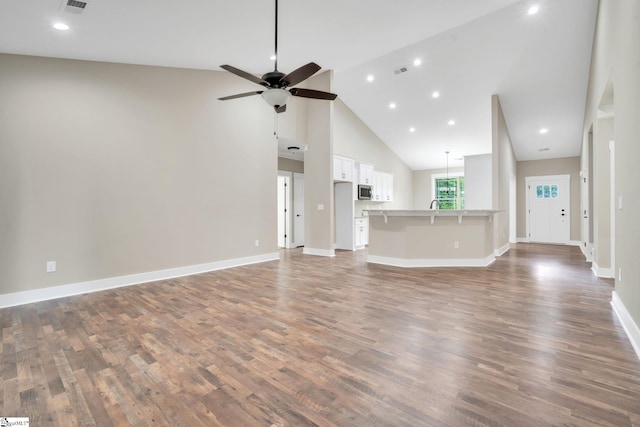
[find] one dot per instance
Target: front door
(548, 200)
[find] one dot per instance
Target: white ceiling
(470, 50)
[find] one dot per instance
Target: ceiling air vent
(400, 70)
(74, 6)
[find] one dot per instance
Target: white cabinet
(343, 168)
(382, 187)
(362, 232)
(366, 174)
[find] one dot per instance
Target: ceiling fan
(278, 85)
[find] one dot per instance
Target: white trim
(606, 273)
(569, 243)
(587, 251)
(288, 203)
(612, 203)
(318, 252)
(411, 263)
(27, 297)
(501, 251)
(630, 327)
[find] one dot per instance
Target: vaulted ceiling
(468, 50)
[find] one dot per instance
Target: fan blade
(299, 75)
(240, 95)
(310, 93)
(238, 72)
(281, 108)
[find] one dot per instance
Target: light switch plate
(51, 266)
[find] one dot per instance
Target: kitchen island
(431, 238)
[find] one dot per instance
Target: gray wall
(290, 165)
(352, 138)
(114, 169)
(561, 166)
(503, 167)
(616, 62)
(603, 133)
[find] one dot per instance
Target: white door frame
(298, 231)
(527, 189)
(585, 215)
(512, 208)
(612, 192)
(287, 204)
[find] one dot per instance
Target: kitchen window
(448, 191)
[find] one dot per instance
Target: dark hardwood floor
(529, 341)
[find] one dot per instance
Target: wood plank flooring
(529, 341)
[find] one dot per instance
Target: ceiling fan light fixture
(276, 97)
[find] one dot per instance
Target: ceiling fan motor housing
(274, 79)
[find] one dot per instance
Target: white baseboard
(606, 273)
(587, 251)
(27, 297)
(412, 263)
(318, 252)
(630, 327)
(501, 251)
(569, 243)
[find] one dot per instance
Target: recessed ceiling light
(435, 94)
(370, 78)
(412, 130)
(543, 130)
(60, 26)
(533, 9)
(417, 62)
(392, 105)
(451, 122)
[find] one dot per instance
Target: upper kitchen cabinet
(382, 187)
(343, 168)
(366, 174)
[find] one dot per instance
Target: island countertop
(433, 213)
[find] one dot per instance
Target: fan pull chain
(275, 124)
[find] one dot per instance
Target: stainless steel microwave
(365, 192)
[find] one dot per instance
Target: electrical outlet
(456, 245)
(51, 266)
(257, 243)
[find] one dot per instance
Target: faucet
(436, 202)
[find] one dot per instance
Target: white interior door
(549, 201)
(298, 209)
